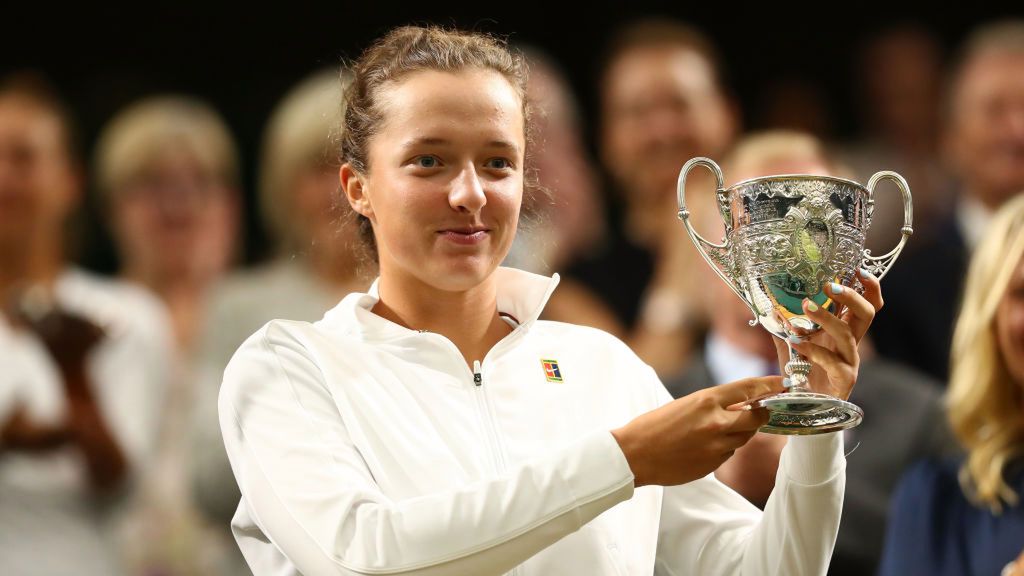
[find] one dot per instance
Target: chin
(462, 275)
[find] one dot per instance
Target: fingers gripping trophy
(786, 238)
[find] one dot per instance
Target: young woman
(966, 518)
(434, 426)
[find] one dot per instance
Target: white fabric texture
(363, 447)
(50, 520)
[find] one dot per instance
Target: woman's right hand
(691, 437)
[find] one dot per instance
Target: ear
(354, 185)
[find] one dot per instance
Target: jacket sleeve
(306, 488)
(707, 528)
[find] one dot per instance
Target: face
(1010, 325)
(37, 181)
(986, 135)
(562, 164)
(661, 108)
(175, 219)
(445, 177)
(903, 72)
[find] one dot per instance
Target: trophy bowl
(786, 238)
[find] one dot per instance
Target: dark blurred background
(242, 58)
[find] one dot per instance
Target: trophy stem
(798, 410)
(798, 370)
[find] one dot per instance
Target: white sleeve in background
(132, 371)
(708, 529)
(306, 487)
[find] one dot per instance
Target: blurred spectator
(903, 414)
(984, 145)
(663, 102)
(900, 76)
(569, 220)
(319, 261)
(965, 518)
(168, 170)
(84, 360)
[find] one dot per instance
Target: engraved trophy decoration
(786, 238)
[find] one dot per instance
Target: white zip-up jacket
(363, 447)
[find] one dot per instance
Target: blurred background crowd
(152, 218)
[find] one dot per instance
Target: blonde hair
(301, 133)
(983, 401)
(143, 132)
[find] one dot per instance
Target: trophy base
(806, 413)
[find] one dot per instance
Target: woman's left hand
(833, 350)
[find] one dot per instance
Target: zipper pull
(478, 378)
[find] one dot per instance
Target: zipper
(484, 409)
(493, 441)
(487, 415)
(480, 395)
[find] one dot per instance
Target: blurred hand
(68, 337)
(833, 349)
(20, 433)
(690, 437)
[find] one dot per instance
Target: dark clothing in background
(922, 298)
(936, 531)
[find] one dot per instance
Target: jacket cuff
(811, 460)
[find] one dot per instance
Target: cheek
(1010, 333)
(218, 218)
(134, 218)
(1015, 323)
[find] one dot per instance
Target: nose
(467, 192)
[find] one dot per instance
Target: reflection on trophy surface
(786, 238)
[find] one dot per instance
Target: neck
(990, 199)
(468, 318)
(184, 296)
(645, 225)
(38, 261)
(751, 340)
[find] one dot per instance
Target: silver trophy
(786, 238)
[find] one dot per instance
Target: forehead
(791, 164)
(26, 123)
(675, 69)
(992, 73)
(432, 103)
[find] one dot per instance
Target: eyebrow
(433, 141)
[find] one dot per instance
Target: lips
(465, 235)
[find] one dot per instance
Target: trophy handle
(880, 265)
(716, 255)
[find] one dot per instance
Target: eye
(499, 163)
(426, 161)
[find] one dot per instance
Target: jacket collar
(521, 295)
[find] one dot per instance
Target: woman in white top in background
(434, 426)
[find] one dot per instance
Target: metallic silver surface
(786, 238)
